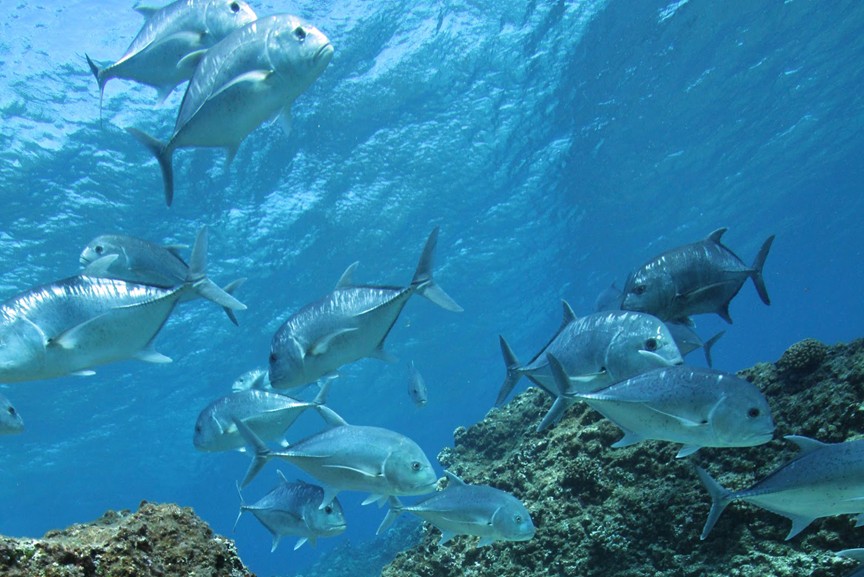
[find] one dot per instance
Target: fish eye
(416, 466)
(99, 249)
(272, 357)
(12, 411)
(197, 428)
(753, 412)
(235, 7)
(651, 345)
(639, 289)
(328, 509)
(518, 519)
(300, 34)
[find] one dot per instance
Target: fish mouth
(325, 51)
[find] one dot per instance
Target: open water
(557, 145)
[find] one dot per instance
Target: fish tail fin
(720, 498)
(101, 79)
(395, 511)
(559, 407)
(321, 398)
(197, 277)
(242, 505)
(163, 155)
(229, 289)
(514, 371)
(756, 275)
(563, 401)
(261, 453)
(423, 281)
(710, 343)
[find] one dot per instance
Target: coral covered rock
(156, 540)
(803, 357)
(638, 510)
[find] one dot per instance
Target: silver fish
(255, 379)
(855, 555)
(352, 458)
(824, 479)
(268, 414)
(596, 350)
(348, 324)
(463, 509)
(688, 341)
(136, 260)
(701, 277)
(172, 41)
(11, 422)
(293, 509)
(251, 76)
(417, 386)
(695, 406)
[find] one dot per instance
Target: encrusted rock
(803, 357)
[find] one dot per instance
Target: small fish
(136, 260)
(463, 509)
(251, 76)
(11, 422)
(824, 479)
(255, 379)
(596, 351)
(348, 324)
(688, 341)
(352, 458)
(292, 509)
(701, 277)
(609, 299)
(855, 555)
(417, 386)
(172, 41)
(695, 406)
(268, 414)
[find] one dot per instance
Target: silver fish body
(251, 76)
(173, 40)
(11, 422)
(417, 386)
(825, 479)
(687, 340)
(292, 509)
(463, 509)
(348, 324)
(701, 277)
(698, 407)
(80, 322)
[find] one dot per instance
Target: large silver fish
(701, 277)
(348, 324)
(824, 479)
(293, 509)
(11, 422)
(137, 260)
(251, 76)
(463, 509)
(596, 350)
(172, 42)
(72, 325)
(352, 458)
(695, 406)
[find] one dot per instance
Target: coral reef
(802, 358)
(157, 540)
(639, 511)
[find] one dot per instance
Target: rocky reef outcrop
(158, 540)
(638, 510)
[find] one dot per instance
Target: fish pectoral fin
(100, 266)
(185, 37)
(369, 474)
(701, 291)
(86, 373)
(322, 345)
(251, 77)
(72, 337)
(587, 377)
(191, 60)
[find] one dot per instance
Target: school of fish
(624, 360)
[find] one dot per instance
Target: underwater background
(558, 145)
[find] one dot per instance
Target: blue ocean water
(557, 145)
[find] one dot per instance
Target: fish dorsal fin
(805, 444)
(569, 315)
(453, 480)
(347, 278)
(145, 11)
(717, 234)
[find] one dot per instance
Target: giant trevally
(855, 555)
(698, 407)
(268, 414)
(251, 76)
(350, 323)
(700, 277)
(137, 260)
(463, 509)
(11, 422)
(352, 458)
(824, 479)
(293, 509)
(172, 41)
(596, 350)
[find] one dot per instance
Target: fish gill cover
(557, 145)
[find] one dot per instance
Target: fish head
(209, 432)
(10, 421)
(742, 417)
(287, 360)
(649, 289)
(512, 522)
(408, 470)
(298, 52)
(221, 17)
(100, 247)
(642, 343)
(22, 349)
(327, 521)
